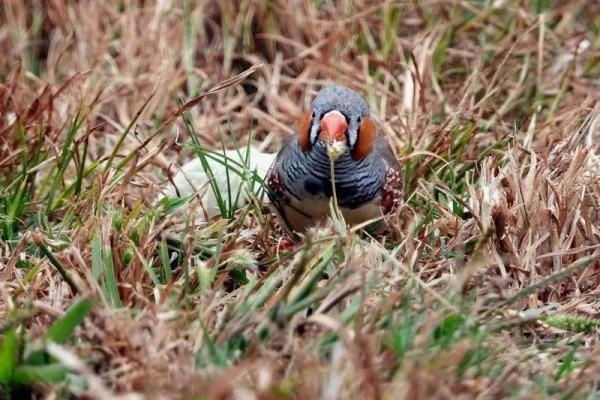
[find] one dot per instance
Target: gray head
(338, 114)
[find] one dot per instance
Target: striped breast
(300, 185)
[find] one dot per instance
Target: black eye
(313, 114)
(359, 119)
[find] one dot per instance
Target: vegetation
(484, 285)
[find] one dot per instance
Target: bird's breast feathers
(356, 203)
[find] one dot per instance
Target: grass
(483, 286)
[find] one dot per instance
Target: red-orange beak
(333, 127)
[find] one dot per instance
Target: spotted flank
(391, 192)
(274, 182)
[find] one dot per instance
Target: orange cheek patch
(366, 139)
(304, 131)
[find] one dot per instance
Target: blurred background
(419, 63)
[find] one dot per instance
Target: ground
(485, 283)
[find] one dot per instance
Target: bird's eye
(313, 114)
(359, 119)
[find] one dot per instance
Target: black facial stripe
(317, 135)
(357, 133)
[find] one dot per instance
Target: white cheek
(352, 135)
(314, 129)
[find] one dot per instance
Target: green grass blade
(146, 265)
(96, 257)
(8, 357)
(64, 327)
(111, 291)
(53, 260)
(63, 162)
(47, 373)
(119, 143)
(164, 258)
(200, 153)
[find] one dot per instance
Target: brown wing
(386, 152)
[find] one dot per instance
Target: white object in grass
(225, 166)
(335, 150)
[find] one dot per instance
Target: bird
(336, 135)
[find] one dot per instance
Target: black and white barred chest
(309, 176)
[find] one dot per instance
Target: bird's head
(339, 119)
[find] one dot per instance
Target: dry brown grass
(485, 285)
